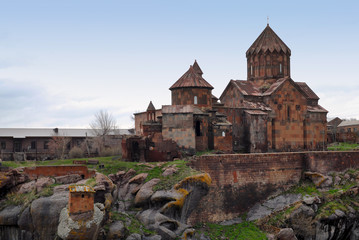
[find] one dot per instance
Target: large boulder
(145, 192)
(166, 227)
(42, 183)
(46, 212)
(139, 178)
(27, 187)
(89, 228)
(286, 234)
(10, 215)
(117, 230)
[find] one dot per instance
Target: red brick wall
(241, 180)
(80, 202)
(54, 171)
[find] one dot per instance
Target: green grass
(241, 231)
(343, 146)
(305, 188)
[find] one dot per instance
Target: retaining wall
(241, 180)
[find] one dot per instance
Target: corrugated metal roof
(50, 132)
(76, 188)
(268, 40)
(191, 79)
(348, 123)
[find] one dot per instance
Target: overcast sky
(63, 61)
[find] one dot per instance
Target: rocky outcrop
(69, 228)
(46, 212)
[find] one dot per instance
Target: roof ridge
(191, 79)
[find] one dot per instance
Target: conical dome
(268, 40)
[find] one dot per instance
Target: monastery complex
(268, 112)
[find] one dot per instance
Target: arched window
(195, 100)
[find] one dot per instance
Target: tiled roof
(246, 87)
(191, 79)
(255, 105)
(348, 123)
(50, 132)
(151, 107)
(268, 40)
(307, 90)
(316, 108)
(255, 112)
(197, 68)
(274, 86)
(76, 188)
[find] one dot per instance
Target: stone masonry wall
(241, 180)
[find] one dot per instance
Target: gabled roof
(151, 107)
(246, 87)
(191, 79)
(275, 86)
(307, 90)
(268, 40)
(316, 108)
(197, 68)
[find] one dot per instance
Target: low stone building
(348, 131)
(43, 143)
(268, 112)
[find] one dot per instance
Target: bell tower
(268, 59)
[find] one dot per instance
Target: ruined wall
(141, 118)
(179, 127)
(241, 180)
(185, 96)
(54, 171)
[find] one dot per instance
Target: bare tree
(58, 145)
(103, 125)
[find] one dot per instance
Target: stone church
(268, 112)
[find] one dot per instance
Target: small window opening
(3, 145)
(280, 68)
(198, 128)
(223, 134)
(82, 176)
(83, 195)
(349, 130)
(251, 70)
(288, 113)
(195, 99)
(46, 145)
